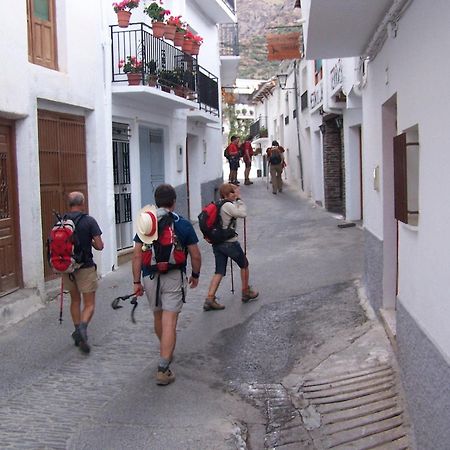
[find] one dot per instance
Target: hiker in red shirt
(247, 153)
(233, 155)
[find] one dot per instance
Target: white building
(403, 82)
(70, 121)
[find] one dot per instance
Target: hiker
(247, 153)
(232, 209)
(82, 283)
(232, 153)
(275, 158)
(162, 243)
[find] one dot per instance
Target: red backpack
(63, 251)
(210, 223)
(166, 253)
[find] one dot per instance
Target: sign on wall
(283, 46)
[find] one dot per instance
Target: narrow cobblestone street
(240, 372)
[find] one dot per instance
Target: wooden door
(10, 265)
(62, 166)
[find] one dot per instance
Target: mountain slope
(256, 19)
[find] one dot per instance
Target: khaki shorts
(170, 291)
(85, 280)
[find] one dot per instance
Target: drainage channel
(360, 410)
(357, 410)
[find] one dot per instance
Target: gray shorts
(170, 290)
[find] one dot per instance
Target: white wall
(422, 98)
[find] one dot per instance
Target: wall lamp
(339, 122)
(282, 80)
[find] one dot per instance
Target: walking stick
(61, 302)
(232, 279)
(245, 236)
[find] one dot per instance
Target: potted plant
(123, 11)
(188, 43)
(157, 14)
(197, 41)
(133, 68)
(152, 71)
(179, 33)
(263, 132)
(167, 79)
(172, 23)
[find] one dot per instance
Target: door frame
(15, 198)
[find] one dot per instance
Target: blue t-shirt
(185, 233)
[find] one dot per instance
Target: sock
(163, 364)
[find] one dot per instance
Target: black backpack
(211, 225)
(275, 157)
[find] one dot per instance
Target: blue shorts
(234, 163)
(227, 250)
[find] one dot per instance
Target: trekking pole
(61, 301)
(245, 236)
(232, 279)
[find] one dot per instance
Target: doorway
(151, 157)
(122, 185)
(62, 167)
(10, 264)
(390, 226)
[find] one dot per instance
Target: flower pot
(123, 18)
(187, 46)
(169, 32)
(195, 48)
(152, 80)
(178, 39)
(158, 29)
(180, 91)
(134, 79)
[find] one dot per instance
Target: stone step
(330, 392)
(349, 381)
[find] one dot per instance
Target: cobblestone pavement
(46, 413)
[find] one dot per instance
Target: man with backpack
(233, 154)
(247, 153)
(231, 208)
(275, 158)
(82, 283)
(162, 243)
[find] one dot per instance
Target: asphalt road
(304, 266)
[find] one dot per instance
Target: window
(406, 177)
(317, 70)
(42, 33)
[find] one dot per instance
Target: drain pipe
(300, 159)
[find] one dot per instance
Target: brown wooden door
(62, 166)
(10, 276)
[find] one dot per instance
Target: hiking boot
(164, 377)
(249, 294)
(83, 344)
(212, 305)
(76, 338)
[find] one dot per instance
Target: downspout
(300, 160)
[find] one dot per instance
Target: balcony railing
(229, 39)
(259, 128)
(173, 67)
